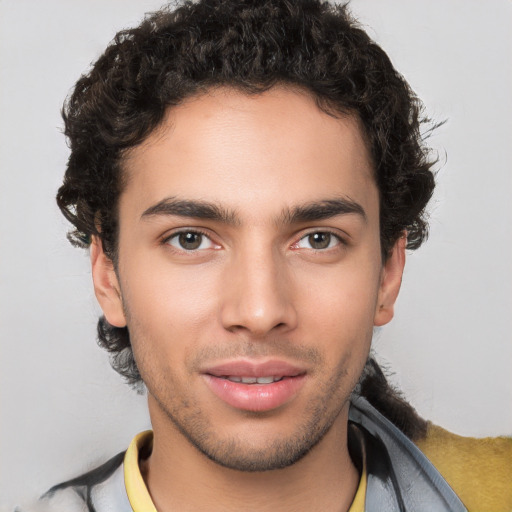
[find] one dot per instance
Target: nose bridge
(257, 295)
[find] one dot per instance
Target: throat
(179, 477)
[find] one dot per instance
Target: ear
(106, 285)
(390, 281)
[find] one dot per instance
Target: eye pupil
(319, 240)
(190, 241)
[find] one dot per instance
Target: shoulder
(478, 470)
(66, 500)
(99, 490)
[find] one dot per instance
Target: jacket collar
(400, 477)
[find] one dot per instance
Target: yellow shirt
(138, 494)
(478, 470)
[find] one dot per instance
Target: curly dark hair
(250, 45)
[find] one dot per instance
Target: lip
(248, 368)
(255, 397)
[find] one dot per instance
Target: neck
(180, 478)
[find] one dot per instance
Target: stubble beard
(237, 454)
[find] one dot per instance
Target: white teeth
(254, 380)
(265, 380)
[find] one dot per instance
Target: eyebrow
(195, 209)
(321, 210)
(198, 209)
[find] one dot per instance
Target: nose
(257, 295)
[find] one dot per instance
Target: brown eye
(318, 241)
(190, 241)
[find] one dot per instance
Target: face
(250, 273)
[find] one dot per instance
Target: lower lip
(255, 397)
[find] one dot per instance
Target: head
(174, 94)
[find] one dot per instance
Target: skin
(258, 287)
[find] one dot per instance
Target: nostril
(236, 328)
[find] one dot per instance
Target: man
(247, 176)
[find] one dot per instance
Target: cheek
(161, 293)
(338, 311)
(169, 311)
(343, 299)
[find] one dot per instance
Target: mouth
(255, 386)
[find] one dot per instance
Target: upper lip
(248, 368)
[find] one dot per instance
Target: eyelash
(166, 241)
(341, 241)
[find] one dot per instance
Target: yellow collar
(138, 494)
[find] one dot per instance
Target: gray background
(63, 409)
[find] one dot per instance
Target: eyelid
(197, 230)
(341, 237)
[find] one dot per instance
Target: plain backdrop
(63, 409)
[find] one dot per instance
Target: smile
(256, 386)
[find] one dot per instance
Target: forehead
(274, 149)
